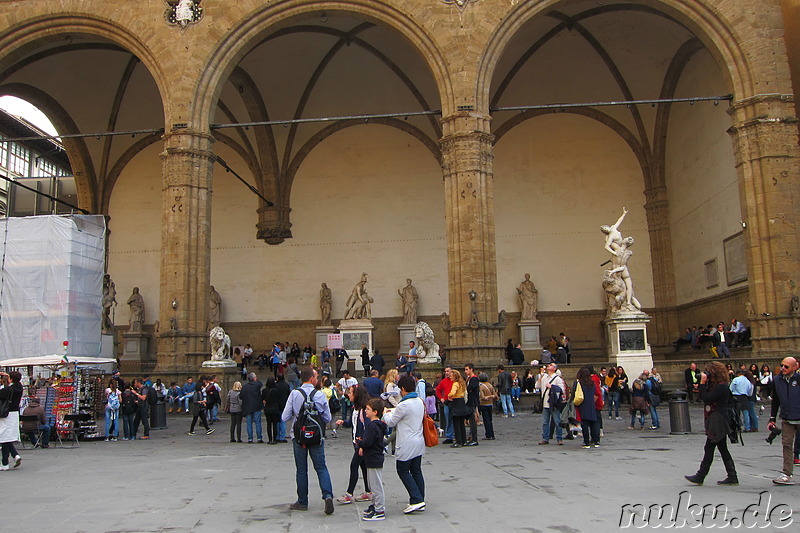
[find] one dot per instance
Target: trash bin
(158, 414)
(679, 423)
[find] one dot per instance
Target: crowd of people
(718, 339)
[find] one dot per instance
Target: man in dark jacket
(371, 449)
(691, 377)
(517, 357)
(721, 341)
(786, 397)
(377, 362)
(473, 401)
(252, 405)
(504, 388)
(282, 389)
(32, 428)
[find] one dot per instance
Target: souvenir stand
(75, 387)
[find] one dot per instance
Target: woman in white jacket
(406, 418)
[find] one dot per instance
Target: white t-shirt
(346, 383)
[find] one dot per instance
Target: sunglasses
(785, 366)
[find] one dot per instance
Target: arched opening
(664, 162)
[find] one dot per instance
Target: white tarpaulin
(51, 285)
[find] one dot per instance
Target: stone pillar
(765, 137)
(665, 323)
(466, 147)
(185, 249)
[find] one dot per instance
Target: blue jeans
(317, 454)
(410, 473)
(45, 429)
(516, 392)
(281, 430)
(449, 430)
(613, 403)
(654, 417)
(112, 414)
(750, 418)
(554, 415)
(215, 412)
(184, 400)
(254, 417)
(507, 404)
(127, 425)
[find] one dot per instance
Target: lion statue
(220, 344)
(427, 349)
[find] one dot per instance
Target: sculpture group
(617, 282)
(359, 304)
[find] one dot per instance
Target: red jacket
(598, 404)
(443, 389)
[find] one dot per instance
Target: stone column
(185, 249)
(665, 324)
(765, 136)
(466, 147)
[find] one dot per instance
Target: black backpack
(128, 405)
(334, 403)
(152, 397)
(734, 421)
(308, 425)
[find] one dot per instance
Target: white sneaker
(5, 467)
(414, 507)
(17, 461)
(783, 479)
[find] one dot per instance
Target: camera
(774, 432)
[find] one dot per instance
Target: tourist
(144, 397)
(553, 394)
(365, 360)
(252, 405)
(128, 411)
(750, 414)
(370, 448)
(213, 399)
(715, 394)
(376, 362)
(358, 396)
(292, 372)
(293, 408)
(33, 428)
(188, 394)
(459, 408)
(786, 399)
(473, 401)
(282, 395)
(720, 341)
(344, 383)
(612, 384)
(391, 392)
(407, 421)
(233, 407)
(741, 389)
(516, 386)
(487, 398)
(528, 382)
(639, 401)
(442, 391)
(11, 392)
(199, 410)
(692, 379)
(591, 392)
(271, 395)
(173, 397)
(113, 401)
(401, 364)
(654, 386)
(373, 384)
(624, 387)
(504, 388)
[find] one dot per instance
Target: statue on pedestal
(359, 304)
(220, 344)
(109, 300)
(410, 298)
(528, 299)
(617, 282)
(325, 301)
(214, 307)
(136, 304)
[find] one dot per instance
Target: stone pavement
(178, 483)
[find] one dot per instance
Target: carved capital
(273, 224)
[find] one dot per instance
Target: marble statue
(410, 298)
(619, 247)
(748, 310)
(427, 349)
(445, 321)
(136, 304)
(473, 311)
(220, 344)
(109, 300)
(528, 299)
(325, 301)
(184, 13)
(214, 307)
(359, 304)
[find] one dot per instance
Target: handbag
(578, 394)
(429, 431)
(5, 408)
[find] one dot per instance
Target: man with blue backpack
(308, 412)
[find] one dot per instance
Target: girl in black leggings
(359, 397)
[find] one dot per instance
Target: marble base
(107, 346)
(219, 363)
(627, 341)
(135, 346)
(529, 335)
(354, 334)
(321, 335)
(406, 336)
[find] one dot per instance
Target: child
(371, 449)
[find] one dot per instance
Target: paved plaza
(175, 482)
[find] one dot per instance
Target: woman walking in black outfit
(199, 408)
(714, 392)
(272, 409)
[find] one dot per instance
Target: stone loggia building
(453, 185)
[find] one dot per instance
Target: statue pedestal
(107, 349)
(627, 341)
(356, 332)
(529, 335)
(321, 335)
(406, 336)
(219, 363)
(135, 346)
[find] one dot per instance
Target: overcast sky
(23, 109)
